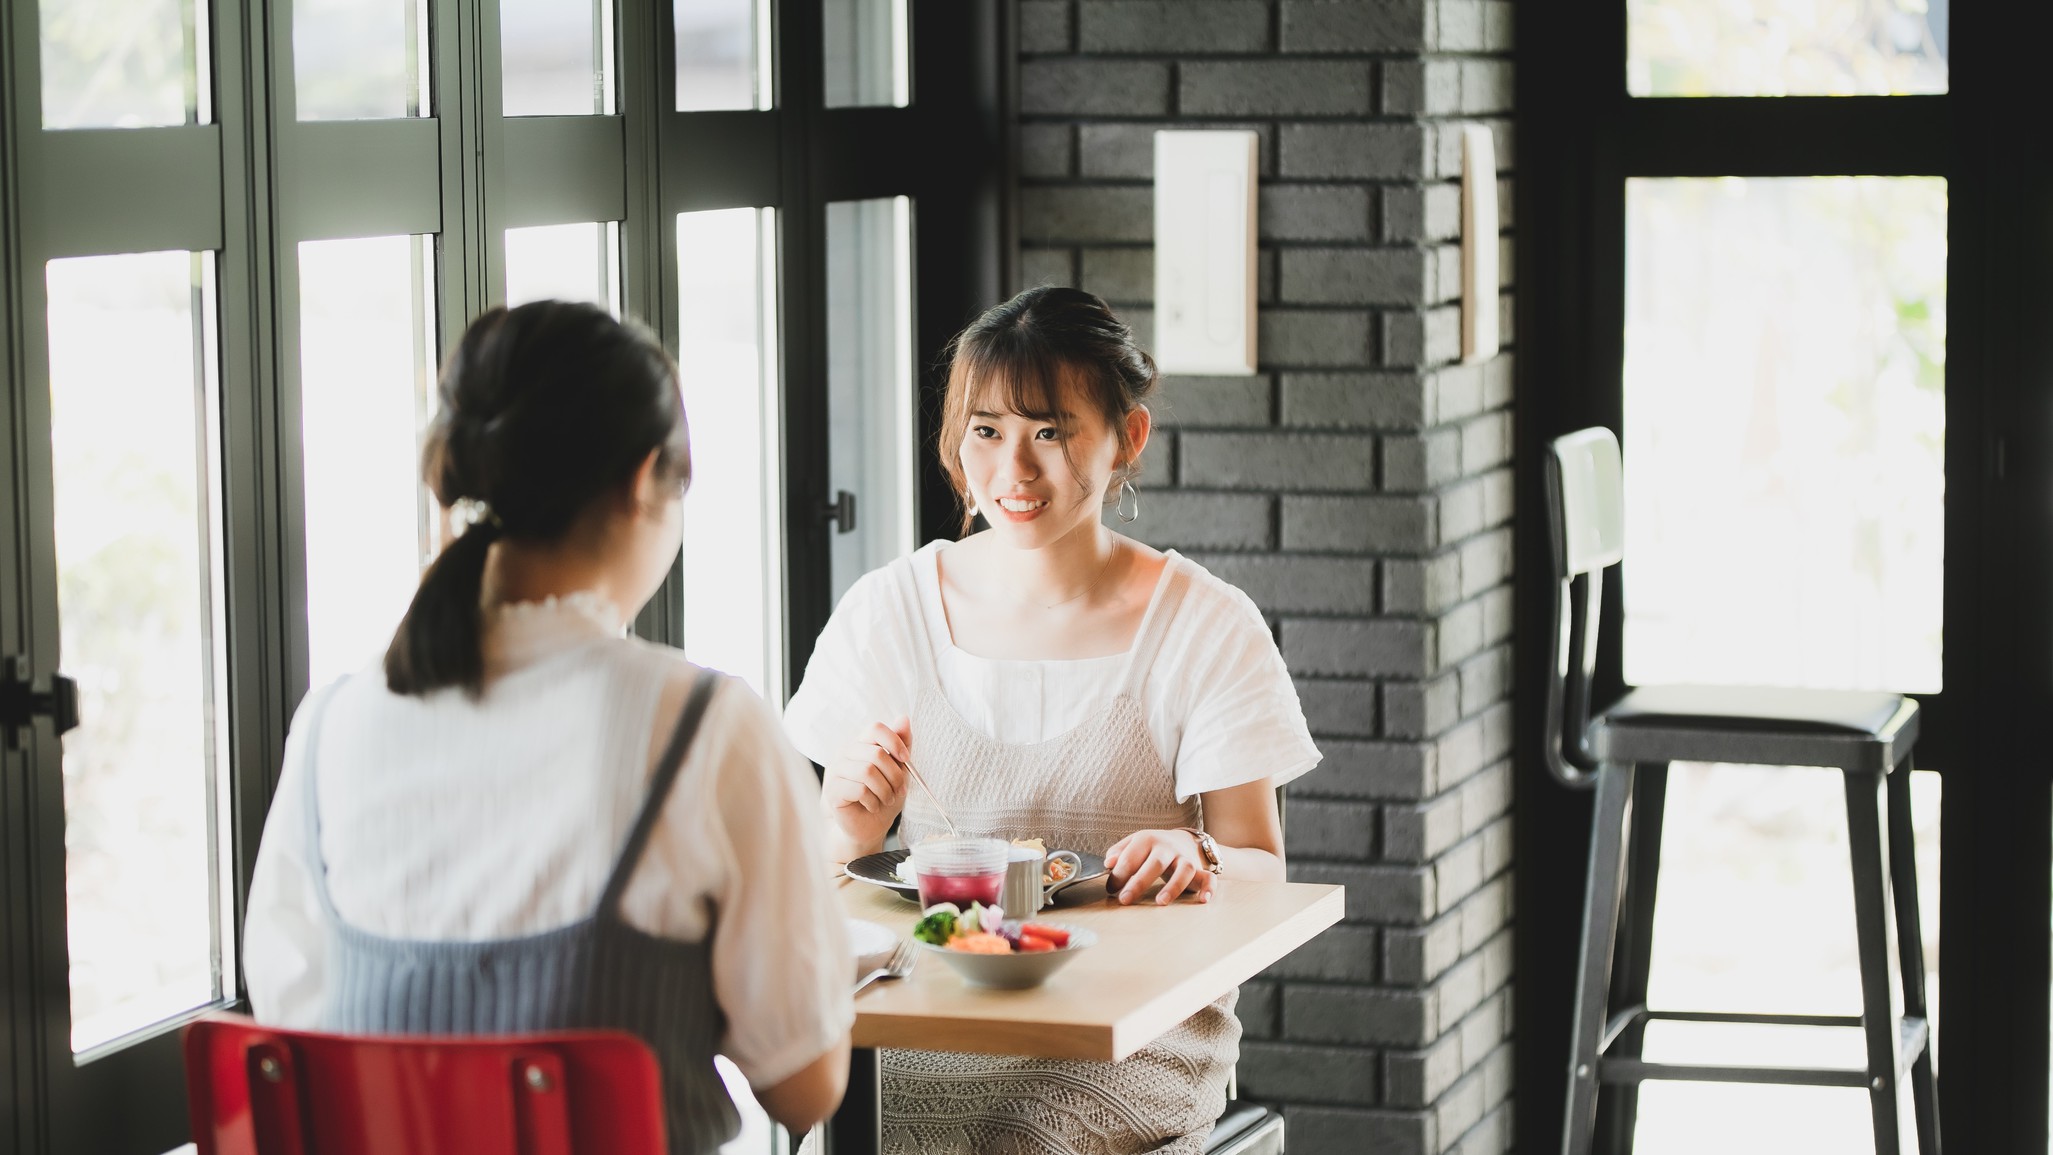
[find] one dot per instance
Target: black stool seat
(1757, 726)
(1246, 1130)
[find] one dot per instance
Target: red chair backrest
(258, 1090)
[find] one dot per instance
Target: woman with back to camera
(567, 826)
(1051, 678)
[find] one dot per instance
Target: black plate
(881, 869)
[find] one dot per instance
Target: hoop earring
(1127, 490)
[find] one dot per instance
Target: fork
(931, 796)
(897, 966)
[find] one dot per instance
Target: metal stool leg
(1618, 1110)
(1903, 883)
(1871, 929)
(1603, 890)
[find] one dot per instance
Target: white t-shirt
(1219, 703)
(448, 819)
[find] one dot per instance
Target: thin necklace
(1086, 589)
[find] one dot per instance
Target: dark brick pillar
(1358, 488)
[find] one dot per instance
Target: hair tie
(466, 512)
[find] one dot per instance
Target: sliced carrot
(980, 943)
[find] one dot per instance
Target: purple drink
(960, 889)
(951, 868)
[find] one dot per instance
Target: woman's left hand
(1136, 861)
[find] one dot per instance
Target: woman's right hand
(864, 786)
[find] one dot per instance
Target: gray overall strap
(659, 792)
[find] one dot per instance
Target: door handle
(841, 511)
(21, 702)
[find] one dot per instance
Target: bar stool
(1624, 752)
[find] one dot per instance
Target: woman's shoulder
(886, 585)
(735, 710)
(883, 604)
(679, 674)
(1210, 601)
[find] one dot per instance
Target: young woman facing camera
(527, 821)
(1051, 678)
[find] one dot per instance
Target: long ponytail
(542, 410)
(439, 641)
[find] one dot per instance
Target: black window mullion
(1997, 832)
(644, 52)
(562, 169)
(20, 1113)
(964, 92)
(714, 160)
(802, 317)
(1785, 136)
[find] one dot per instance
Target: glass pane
(733, 514)
(360, 59)
(136, 479)
(564, 262)
(865, 53)
(723, 54)
(556, 57)
(367, 367)
(1755, 913)
(1785, 47)
(872, 440)
(1785, 349)
(125, 63)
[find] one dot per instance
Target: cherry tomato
(1052, 934)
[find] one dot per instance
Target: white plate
(871, 943)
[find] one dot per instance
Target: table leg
(857, 1126)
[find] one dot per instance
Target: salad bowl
(1017, 971)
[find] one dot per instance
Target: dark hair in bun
(543, 409)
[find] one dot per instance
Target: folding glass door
(235, 245)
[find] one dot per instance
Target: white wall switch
(1205, 252)
(1478, 243)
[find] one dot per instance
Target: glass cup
(959, 869)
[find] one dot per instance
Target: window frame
(1584, 137)
(254, 183)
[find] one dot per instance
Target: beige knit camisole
(1082, 790)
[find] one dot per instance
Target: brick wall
(1358, 488)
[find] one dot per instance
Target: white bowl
(1018, 970)
(871, 943)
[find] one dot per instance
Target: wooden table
(1152, 968)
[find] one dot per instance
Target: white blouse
(450, 819)
(1219, 702)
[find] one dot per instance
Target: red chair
(256, 1090)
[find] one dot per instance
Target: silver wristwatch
(1206, 847)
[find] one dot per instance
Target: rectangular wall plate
(1479, 223)
(1205, 252)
